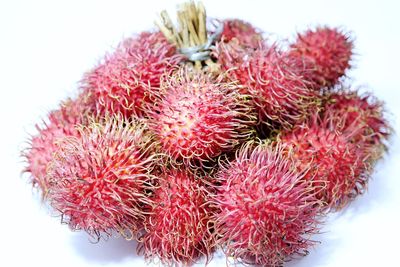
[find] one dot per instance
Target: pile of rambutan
(191, 139)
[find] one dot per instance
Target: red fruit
(177, 230)
(267, 208)
(198, 117)
(329, 51)
(233, 58)
(122, 81)
(363, 111)
(100, 180)
(282, 96)
(61, 124)
(244, 32)
(337, 164)
(280, 92)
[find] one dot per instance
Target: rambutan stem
(191, 36)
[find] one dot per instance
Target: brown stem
(191, 33)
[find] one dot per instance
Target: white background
(46, 46)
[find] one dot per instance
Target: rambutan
(365, 111)
(100, 180)
(163, 144)
(267, 210)
(61, 123)
(337, 164)
(123, 81)
(246, 34)
(232, 58)
(329, 51)
(197, 116)
(178, 228)
(279, 91)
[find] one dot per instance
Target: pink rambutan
(100, 180)
(61, 123)
(177, 229)
(337, 164)
(122, 82)
(244, 32)
(156, 148)
(280, 92)
(267, 210)
(329, 52)
(232, 58)
(197, 116)
(365, 111)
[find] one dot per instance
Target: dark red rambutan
(246, 34)
(100, 181)
(365, 111)
(61, 123)
(267, 210)
(329, 51)
(178, 228)
(197, 116)
(122, 82)
(337, 164)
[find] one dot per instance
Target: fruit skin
(196, 116)
(178, 227)
(327, 50)
(335, 162)
(100, 181)
(124, 80)
(61, 123)
(267, 210)
(245, 33)
(365, 111)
